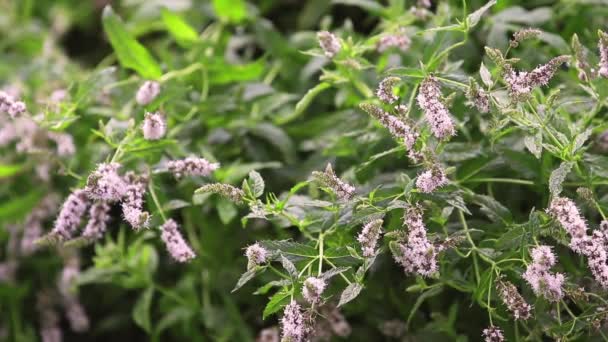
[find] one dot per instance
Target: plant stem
(321, 241)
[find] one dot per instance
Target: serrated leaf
(486, 76)
(289, 267)
(131, 54)
(534, 144)
(226, 210)
(493, 209)
(257, 183)
(266, 287)
(247, 276)
(141, 310)
(350, 292)
(558, 176)
(581, 139)
(276, 303)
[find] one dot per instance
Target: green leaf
(277, 137)
(247, 276)
(19, 206)
(350, 292)
(233, 11)
(427, 294)
(183, 33)
(558, 176)
(304, 102)
(289, 267)
(257, 183)
(276, 303)
(141, 310)
(473, 18)
(406, 72)
(131, 54)
(493, 209)
(221, 72)
(9, 170)
(226, 210)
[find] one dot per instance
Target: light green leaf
(226, 210)
(9, 170)
(276, 303)
(304, 102)
(183, 33)
(473, 18)
(141, 310)
(233, 11)
(131, 54)
(257, 183)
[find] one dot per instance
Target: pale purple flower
(493, 334)
(329, 43)
(192, 166)
(313, 289)
(11, 106)
(368, 238)
(394, 328)
(424, 3)
(418, 255)
(175, 243)
(513, 300)
(133, 201)
(99, 215)
(226, 190)
(16, 109)
(64, 142)
(603, 47)
(479, 98)
(328, 178)
(147, 92)
(337, 322)
(71, 214)
(292, 323)
(105, 183)
(431, 179)
(521, 83)
(523, 34)
(542, 282)
(32, 229)
(398, 40)
(268, 335)
(77, 316)
(154, 126)
(435, 111)
(50, 330)
(396, 126)
(385, 90)
(256, 255)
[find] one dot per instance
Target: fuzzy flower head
(538, 275)
(154, 126)
(368, 238)
(478, 97)
(523, 34)
(70, 215)
(228, 191)
(313, 289)
(293, 328)
(385, 90)
(328, 178)
(256, 255)
(431, 179)
(603, 47)
(147, 92)
(418, 255)
(10, 106)
(175, 243)
(398, 40)
(64, 143)
(565, 211)
(268, 335)
(396, 126)
(493, 334)
(105, 183)
(513, 300)
(521, 83)
(329, 43)
(435, 111)
(192, 166)
(99, 215)
(133, 201)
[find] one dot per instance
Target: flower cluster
(603, 47)
(230, 192)
(328, 178)
(133, 201)
(513, 300)
(431, 179)
(10, 106)
(398, 40)
(521, 83)
(32, 228)
(175, 243)
(418, 255)
(396, 126)
(293, 327)
(105, 184)
(70, 215)
(543, 282)
(337, 322)
(147, 92)
(154, 126)
(191, 166)
(368, 238)
(523, 34)
(329, 43)
(478, 97)
(99, 215)
(436, 113)
(313, 289)
(493, 334)
(385, 90)
(256, 255)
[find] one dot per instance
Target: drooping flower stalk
(99, 215)
(10, 106)
(175, 243)
(435, 111)
(523, 34)
(147, 92)
(521, 83)
(50, 330)
(192, 166)
(328, 178)
(396, 126)
(32, 229)
(513, 300)
(543, 282)
(368, 238)
(71, 214)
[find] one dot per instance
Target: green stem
(321, 241)
(155, 199)
(499, 180)
(473, 247)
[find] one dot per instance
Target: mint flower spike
(543, 282)
(133, 201)
(435, 111)
(147, 92)
(329, 43)
(513, 300)
(256, 255)
(175, 243)
(603, 47)
(99, 215)
(313, 289)
(328, 178)
(293, 328)
(398, 40)
(105, 183)
(192, 166)
(521, 83)
(70, 215)
(385, 90)
(11, 106)
(368, 238)
(397, 127)
(418, 255)
(228, 191)
(154, 126)
(493, 334)
(431, 179)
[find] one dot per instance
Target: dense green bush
(324, 170)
